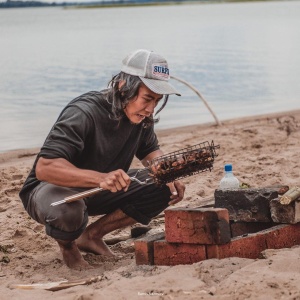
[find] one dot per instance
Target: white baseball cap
(151, 68)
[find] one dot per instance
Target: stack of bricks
(242, 223)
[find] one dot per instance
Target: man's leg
(139, 204)
(64, 222)
(92, 238)
(71, 255)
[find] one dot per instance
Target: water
(242, 57)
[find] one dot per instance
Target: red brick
(282, 236)
(277, 237)
(197, 225)
(170, 254)
(246, 247)
(144, 254)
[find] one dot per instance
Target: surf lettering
(160, 69)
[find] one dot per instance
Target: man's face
(142, 105)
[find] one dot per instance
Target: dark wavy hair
(120, 97)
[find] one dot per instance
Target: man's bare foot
(95, 246)
(72, 256)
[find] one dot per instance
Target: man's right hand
(115, 181)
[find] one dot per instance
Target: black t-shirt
(87, 136)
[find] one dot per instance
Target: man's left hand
(177, 189)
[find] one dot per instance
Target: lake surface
(244, 58)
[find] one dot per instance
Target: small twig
(56, 286)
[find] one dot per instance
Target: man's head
(142, 105)
(143, 72)
(151, 68)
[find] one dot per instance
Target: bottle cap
(228, 168)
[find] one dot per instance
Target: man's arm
(151, 156)
(61, 172)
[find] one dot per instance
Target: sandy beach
(264, 150)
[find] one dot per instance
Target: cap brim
(159, 86)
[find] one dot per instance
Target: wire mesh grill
(182, 163)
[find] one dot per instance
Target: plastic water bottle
(229, 181)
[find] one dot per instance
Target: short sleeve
(148, 144)
(67, 137)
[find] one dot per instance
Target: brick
(289, 214)
(170, 254)
(144, 254)
(246, 247)
(250, 246)
(197, 225)
(247, 205)
(282, 236)
(242, 228)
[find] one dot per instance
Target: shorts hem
(131, 211)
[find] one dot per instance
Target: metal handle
(78, 196)
(83, 194)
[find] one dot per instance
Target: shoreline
(28, 152)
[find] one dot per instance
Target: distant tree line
(12, 4)
(19, 3)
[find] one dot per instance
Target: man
(92, 144)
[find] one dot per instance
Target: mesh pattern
(182, 163)
(136, 63)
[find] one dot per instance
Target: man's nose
(150, 107)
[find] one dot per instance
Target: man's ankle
(66, 244)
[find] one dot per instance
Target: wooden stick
(56, 286)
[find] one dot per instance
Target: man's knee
(68, 217)
(67, 221)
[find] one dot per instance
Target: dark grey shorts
(67, 221)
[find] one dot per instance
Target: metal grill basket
(182, 163)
